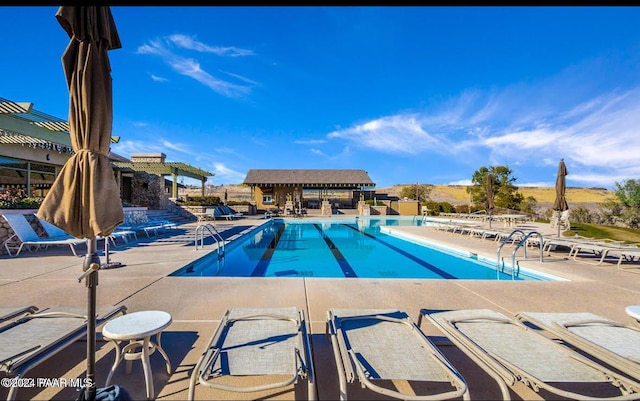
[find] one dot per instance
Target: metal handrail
(498, 269)
(213, 233)
(523, 241)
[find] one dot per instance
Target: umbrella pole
(90, 267)
(108, 264)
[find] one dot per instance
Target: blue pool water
(348, 248)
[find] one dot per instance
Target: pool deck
(48, 278)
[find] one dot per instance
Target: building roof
(167, 168)
(21, 123)
(309, 178)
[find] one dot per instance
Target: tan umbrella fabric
(84, 200)
(560, 203)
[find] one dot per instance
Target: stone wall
(6, 232)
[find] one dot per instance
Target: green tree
(419, 192)
(506, 194)
(628, 194)
(529, 205)
(580, 214)
(609, 211)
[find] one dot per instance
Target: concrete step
(168, 215)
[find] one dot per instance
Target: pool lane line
(406, 254)
(347, 270)
(265, 259)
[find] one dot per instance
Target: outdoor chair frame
(613, 343)
(387, 346)
(263, 342)
(27, 236)
(510, 352)
(32, 336)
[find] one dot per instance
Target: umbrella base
(111, 265)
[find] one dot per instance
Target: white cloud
(309, 141)
(226, 175)
(192, 68)
(392, 134)
(461, 182)
(317, 152)
(190, 43)
(599, 136)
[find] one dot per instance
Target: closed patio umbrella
(560, 203)
(488, 185)
(84, 200)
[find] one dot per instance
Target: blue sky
(409, 94)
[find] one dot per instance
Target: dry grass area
(454, 194)
(457, 194)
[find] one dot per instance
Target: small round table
(137, 328)
(633, 311)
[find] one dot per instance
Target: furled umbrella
(560, 203)
(84, 200)
(488, 186)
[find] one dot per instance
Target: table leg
(161, 351)
(115, 363)
(146, 366)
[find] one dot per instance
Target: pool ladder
(213, 232)
(515, 272)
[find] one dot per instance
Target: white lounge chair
(385, 345)
(629, 255)
(25, 235)
(227, 211)
(32, 336)
(219, 212)
(272, 343)
(611, 342)
(510, 352)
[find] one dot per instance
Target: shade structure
(84, 200)
(488, 186)
(560, 203)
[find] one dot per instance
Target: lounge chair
(227, 211)
(8, 312)
(220, 213)
(25, 235)
(272, 343)
(384, 346)
(611, 342)
(150, 227)
(208, 214)
(510, 352)
(31, 337)
(629, 255)
(58, 233)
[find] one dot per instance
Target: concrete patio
(49, 277)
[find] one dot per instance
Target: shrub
(232, 203)
(15, 198)
(200, 201)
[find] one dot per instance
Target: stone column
(325, 208)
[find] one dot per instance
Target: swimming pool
(343, 248)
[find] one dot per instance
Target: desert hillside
(454, 194)
(457, 194)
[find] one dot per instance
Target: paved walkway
(48, 278)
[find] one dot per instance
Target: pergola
(174, 169)
(21, 124)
